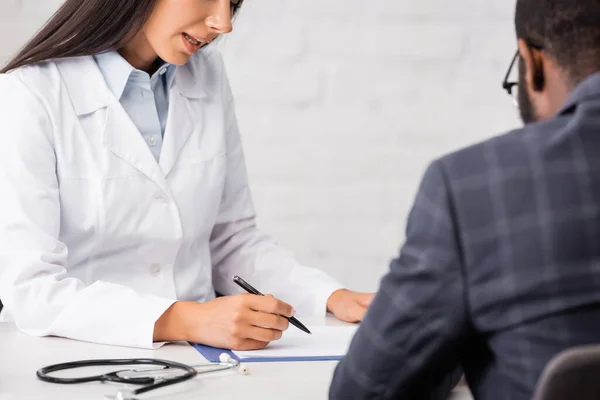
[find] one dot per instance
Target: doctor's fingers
(248, 344)
(265, 320)
(357, 312)
(365, 299)
(262, 334)
(270, 304)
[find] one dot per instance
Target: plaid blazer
(500, 270)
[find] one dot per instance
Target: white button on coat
(79, 224)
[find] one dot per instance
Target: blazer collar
(588, 88)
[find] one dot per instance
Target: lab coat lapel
(123, 138)
(185, 116)
(89, 93)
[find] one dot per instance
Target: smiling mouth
(192, 40)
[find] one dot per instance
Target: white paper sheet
(332, 341)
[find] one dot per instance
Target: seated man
(501, 266)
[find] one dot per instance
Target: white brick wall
(342, 103)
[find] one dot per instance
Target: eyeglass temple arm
(505, 83)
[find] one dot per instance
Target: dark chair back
(571, 375)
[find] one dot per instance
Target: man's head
(559, 46)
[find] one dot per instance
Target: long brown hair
(83, 28)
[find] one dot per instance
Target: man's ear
(534, 66)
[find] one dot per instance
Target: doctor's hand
(240, 322)
(349, 306)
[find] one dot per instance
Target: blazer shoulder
(512, 148)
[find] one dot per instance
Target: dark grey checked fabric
(500, 270)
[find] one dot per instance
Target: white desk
(21, 356)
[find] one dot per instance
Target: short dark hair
(568, 30)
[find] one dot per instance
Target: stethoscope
(151, 378)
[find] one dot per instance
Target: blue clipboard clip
(212, 354)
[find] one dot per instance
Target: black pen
(248, 288)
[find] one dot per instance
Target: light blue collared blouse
(144, 97)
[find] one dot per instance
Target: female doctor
(125, 204)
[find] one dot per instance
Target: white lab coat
(97, 239)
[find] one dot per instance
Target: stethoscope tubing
(190, 372)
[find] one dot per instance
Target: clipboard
(212, 355)
(327, 343)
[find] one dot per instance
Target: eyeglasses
(511, 80)
(512, 86)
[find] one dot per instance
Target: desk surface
(23, 355)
